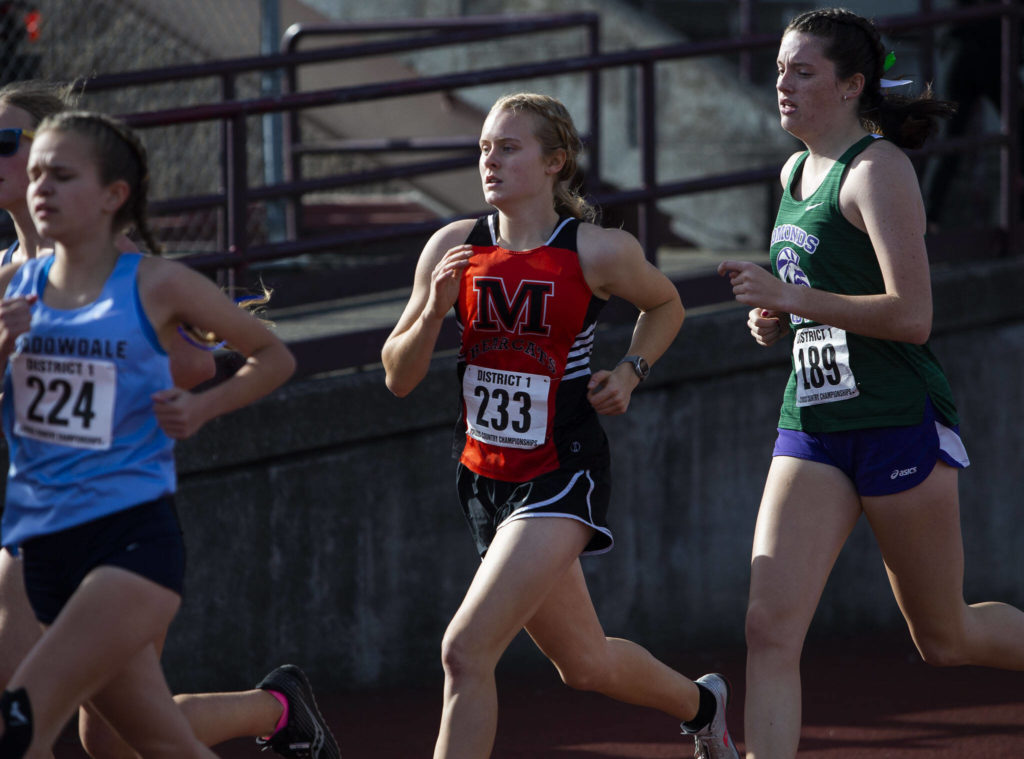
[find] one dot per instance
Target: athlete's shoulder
(593, 240)
(155, 267)
(454, 233)
(444, 239)
(880, 155)
(788, 166)
(881, 165)
(163, 280)
(608, 256)
(447, 237)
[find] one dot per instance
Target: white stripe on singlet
(577, 363)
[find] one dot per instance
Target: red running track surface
(871, 698)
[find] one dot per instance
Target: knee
(584, 673)
(462, 658)
(768, 628)
(940, 649)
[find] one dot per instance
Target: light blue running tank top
(83, 439)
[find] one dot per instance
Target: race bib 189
(65, 401)
(504, 408)
(821, 360)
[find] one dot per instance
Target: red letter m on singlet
(525, 313)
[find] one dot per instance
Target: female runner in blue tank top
(214, 717)
(527, 283)
(23, 105)
(91, 414)
(868, 424)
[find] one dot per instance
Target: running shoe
(712, 741)
(306, 735)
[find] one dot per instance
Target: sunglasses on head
(10, 140)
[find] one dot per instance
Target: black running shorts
(144, 539)
(581, 494)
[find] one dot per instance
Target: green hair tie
(884, 83)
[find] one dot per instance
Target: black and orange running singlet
(527, 322)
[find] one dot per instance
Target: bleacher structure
(320, 168)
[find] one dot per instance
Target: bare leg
(218, 717)
(107, 631)
(19, 630)
(807, 512)
(525, 560)
(213, 718)
(138, 706)
(567, 630)
(919, 534)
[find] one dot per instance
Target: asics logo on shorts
(896, 473)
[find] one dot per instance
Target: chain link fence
(73, 40)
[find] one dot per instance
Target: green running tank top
(841, 380)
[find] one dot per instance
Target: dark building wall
(323, 527)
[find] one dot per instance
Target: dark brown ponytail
(853, 44)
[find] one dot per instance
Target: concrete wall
(323, 526)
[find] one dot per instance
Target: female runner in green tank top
(853, 286)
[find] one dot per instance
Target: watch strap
(639, 364)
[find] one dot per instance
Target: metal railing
(446, 32)
(237, 194)
(233, 201)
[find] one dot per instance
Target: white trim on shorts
(523, 513)
(951, 444)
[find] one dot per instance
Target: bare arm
(190, 366)
(173, 293)
(614, 264)
(881, 196)
(407, 351)
(767, 326)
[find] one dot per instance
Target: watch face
(640, 366)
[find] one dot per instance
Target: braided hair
(853, 44)
(120, 155)
(554, 129)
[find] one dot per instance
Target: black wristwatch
(639, 364)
